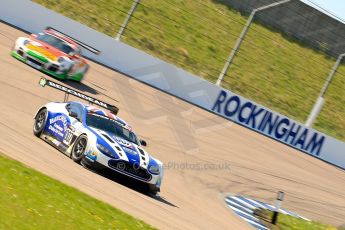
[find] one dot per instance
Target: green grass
(31, 200)
(286, 222)
(271, 68)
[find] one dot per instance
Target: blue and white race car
(97, 138)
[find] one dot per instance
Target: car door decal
(57, 124)
(68, 137)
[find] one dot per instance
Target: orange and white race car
(54, 53)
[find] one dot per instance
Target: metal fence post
(320, 100)
(240, 39)
(128, 18)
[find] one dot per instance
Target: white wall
(155, 72)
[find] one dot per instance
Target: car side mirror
(143, 143)
(34, 35)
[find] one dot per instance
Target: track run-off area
(206, 157)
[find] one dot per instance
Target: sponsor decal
(67, 90)
(91, 155)
(42, 51)
(78, 94)
(56, 142)
(269, 123)
(58, 125)
(123, 142)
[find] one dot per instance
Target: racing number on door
(68, 137)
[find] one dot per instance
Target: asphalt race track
(206, 157)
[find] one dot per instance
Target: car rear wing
(85, 46)
(68, 91)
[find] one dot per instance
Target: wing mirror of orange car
(72, 54)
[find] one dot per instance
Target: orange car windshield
(56, 42)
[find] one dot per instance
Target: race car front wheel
(40, 122)
(152, 189)
(79, 148)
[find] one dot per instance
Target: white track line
(234, 203)
(243, 202)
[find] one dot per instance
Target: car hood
(124, 150)
(46, 50)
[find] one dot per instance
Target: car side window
(76, 108)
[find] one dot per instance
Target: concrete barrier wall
(301, 21)
(178, 82)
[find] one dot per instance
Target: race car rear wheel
(79, 148)
(40, 122)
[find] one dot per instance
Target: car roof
(70, 41)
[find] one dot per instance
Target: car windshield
(112, 126)
(56, 42)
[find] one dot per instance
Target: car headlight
(154, 169)
(105, 150)
(61, 59)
